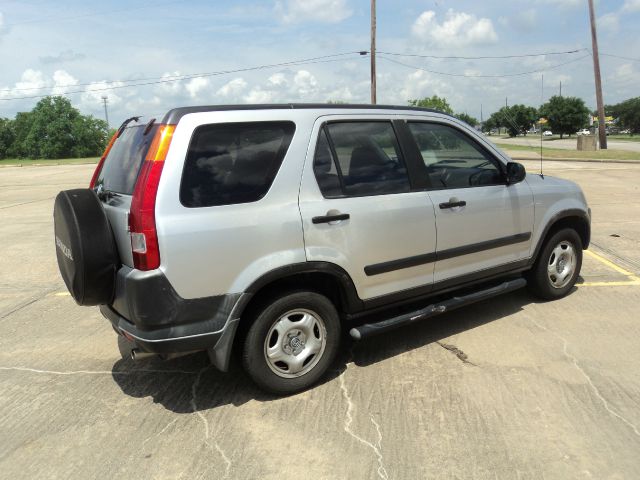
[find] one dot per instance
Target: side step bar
(369, 329)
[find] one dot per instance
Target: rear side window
(359, 159)
(121, 167)
(233, 163)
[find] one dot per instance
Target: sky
(137, 52)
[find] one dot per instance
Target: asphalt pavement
(510, 388)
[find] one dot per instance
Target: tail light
(142, 218)
(94, 179)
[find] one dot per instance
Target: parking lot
(509, 388)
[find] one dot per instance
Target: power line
(618, 56)
(449, 74)
(485, 57)
(171, 78)
(161, 80)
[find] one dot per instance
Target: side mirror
(515, 172)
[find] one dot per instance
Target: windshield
(121, 167)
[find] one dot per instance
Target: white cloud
(631, 6)
(93, 93)
(63, 82)
(232, 88)
(609, 22)
(325, 11)
(169, 87)
(458, 29)
(258, 95)
(624, 70)
(196, 85)
(305, 83)
(278, 80)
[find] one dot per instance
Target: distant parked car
(584, 131)
(626, 132)
(548, 133)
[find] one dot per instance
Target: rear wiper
(125, 123)
(105, 195)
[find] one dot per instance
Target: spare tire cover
(87, 256)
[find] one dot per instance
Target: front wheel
(292, 342)
(557, 267)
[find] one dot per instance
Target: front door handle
(335, 217)
(452, 203)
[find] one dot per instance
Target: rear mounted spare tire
(87, 256)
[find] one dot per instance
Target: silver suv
(270, 229)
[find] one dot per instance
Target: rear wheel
(558, 265)
(292, 342)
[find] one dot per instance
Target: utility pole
(481, 119)
(560, 87)
(106, 115)
(373, 52)
(596, 70)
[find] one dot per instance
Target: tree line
(562, 115)
(53, 129)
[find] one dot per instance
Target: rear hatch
(117, 178)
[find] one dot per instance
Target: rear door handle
(330, 218)
(452, 203)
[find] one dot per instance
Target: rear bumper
(148, 311)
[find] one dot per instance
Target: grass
(559, 153)
(19, 162)
(625, 138)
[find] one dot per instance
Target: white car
(548, 133)
(584, 131)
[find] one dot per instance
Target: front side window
(359, 159)
(233, 162)
(452, 159)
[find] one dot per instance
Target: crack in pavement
(457, 352)
(595, 389)
(165, 428)
(377, 449)
(194, 406)
(26, 303)
(26, 203)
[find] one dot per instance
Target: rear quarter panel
(222, 249)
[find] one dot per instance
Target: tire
(85, 248)
(558, 265)
(292, 342)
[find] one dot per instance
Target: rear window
(121, 167)
(233, 163)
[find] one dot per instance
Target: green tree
(517, 119)
(51, 135)
(435, 102)
(7, 137)
(90, 136)
(467, 119)
(565, 115)
(628, 114)
(55, 129)
(21, 127)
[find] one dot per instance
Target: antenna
(542, 103)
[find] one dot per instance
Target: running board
(369, 329)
